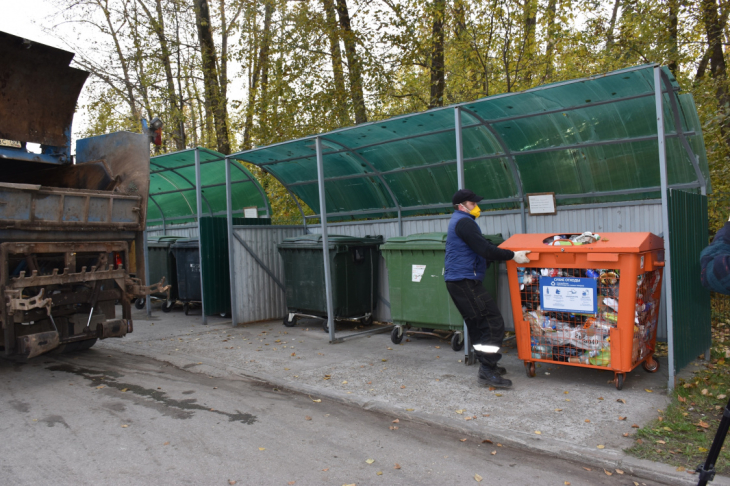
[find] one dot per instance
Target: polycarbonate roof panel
(172, 187)
(579, 137)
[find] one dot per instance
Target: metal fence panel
(688, 230)
(187, 230)
(258, 297)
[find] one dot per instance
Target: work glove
(521, 256)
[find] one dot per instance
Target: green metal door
(688, 235)
(214, 260)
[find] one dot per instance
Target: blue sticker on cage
(568, 294)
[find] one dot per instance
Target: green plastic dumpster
(162, 264)
(418, 295)
(354, 267)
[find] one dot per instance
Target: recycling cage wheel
(457, 342)
(139, 303)
(167, 306)
(325, 327)
(290, 322)
(186, 308)
(367, 321)
(530, 369)
(651, 365)
(396, 335)
(618, 380)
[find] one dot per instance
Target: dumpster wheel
(396, 335)
(167, 306)
(290, 320)
(618, 380)
(651, 365)
(457, 342)
(140, 303)
(530, 369)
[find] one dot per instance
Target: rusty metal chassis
(12, 286)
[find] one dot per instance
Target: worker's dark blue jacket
(715, 262)
(461, 261)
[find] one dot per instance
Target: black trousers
(481, 315)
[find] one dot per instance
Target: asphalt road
(108, 418)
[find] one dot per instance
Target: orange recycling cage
(587, 303)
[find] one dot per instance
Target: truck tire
(75, 346)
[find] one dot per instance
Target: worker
(715, 262)
(468, 255)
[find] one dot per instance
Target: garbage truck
(71, 225)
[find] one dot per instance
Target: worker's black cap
(463, 195)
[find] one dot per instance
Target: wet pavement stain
(97, 378)
(52, 420)
(20, 406)
(188, 392)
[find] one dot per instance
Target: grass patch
(682, 434)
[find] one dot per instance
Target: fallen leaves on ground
(166, 443)
(462, 440)
(460, 411)
(619, 471)
(396, 421)
(622, 418)
(634, 426)
(397, 466)
(125, 426)
(402, 387)
(608, 473)
(379, 473)
(410, 409)
(370, 461)
(648, 391)
(262, 448)
(326, 469)
(494, 452)
(124, 389)
(231, 481)
(621, 400)
(487, 441)
(600, 446)
(478, 478)
(538, 432)
(307, 417)
(703, 424)
(315, 400)
(588, 421)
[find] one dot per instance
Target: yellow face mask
(474, 212)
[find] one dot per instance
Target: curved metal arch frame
(679, 130)
(193, 186)
(377, 173)
(258, 186)
(513, 165)
(162, 213)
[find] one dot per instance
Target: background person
(468, 255)
(715, 262)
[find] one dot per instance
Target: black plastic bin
(354, 267)
(187, 261)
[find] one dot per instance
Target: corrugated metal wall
(258, 296)
(269, 303)
(187, 230)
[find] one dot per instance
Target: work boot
(492, 377)
(501, 370)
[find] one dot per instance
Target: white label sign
(541, 203)
(250, 212)
(417, 272)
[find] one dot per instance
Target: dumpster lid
(426, 241)
(186, 243)
(314, 239)
(609, 242)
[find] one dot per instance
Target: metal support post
(325, 242)
(229, 222)
(459, 149)
(199, 207)
(148, 304)
(665, 220)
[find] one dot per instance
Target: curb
(609, 459)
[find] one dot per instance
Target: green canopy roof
(172, 196)
(587, 140)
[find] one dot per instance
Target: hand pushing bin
(587, 300)
(187, 259)
(354, 267)
(162, 264)
(418, 295)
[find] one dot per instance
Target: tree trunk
(612, 25)
(550, 46)
(257, 68)
(528, 56)
(264, 63)
(438, 82)
(213, 100)
(353, 63)
(158, 27)
(333, 33)
(673, 63)
(714, 29)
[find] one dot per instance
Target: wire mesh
(585, 339)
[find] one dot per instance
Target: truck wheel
(140, 303)
(75, 346)
(167, 306)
